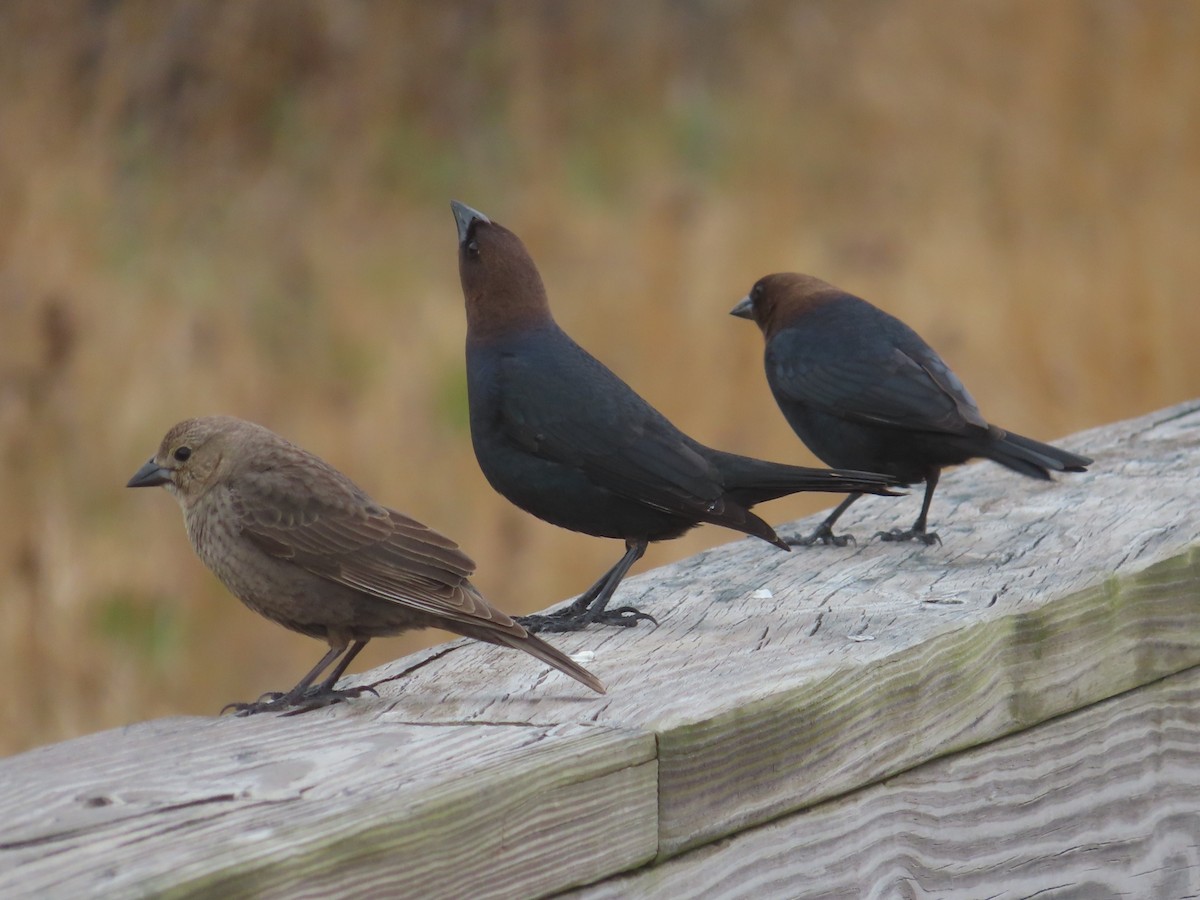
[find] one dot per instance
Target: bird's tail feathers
(1033, 458)
(753, 481)
(535, 646)
(736, 516)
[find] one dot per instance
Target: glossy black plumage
(863, 390)
(562, 437)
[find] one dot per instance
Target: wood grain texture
(776, 681)
(276, 808)
(1103, 802)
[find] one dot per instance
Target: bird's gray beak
(150, 475)
(744, 309)
(464, 216)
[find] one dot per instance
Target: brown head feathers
(776, 299)
(501, 286)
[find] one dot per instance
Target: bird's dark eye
(473, 247)
(182, 453)
(756, 291)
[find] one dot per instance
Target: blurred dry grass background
(241, 207)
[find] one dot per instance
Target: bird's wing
(898, 383)
(572, 410)
(330, 527)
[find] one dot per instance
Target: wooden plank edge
(566, 805)
(1104, 801)
(962, 688)
(565, 812)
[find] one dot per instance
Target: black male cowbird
(862, 389)
(300, 543)
(565, 439)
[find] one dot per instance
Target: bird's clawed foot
(571, 620)
(296, 703)
(823, 535)
(928, 538)
(268, 702)
(622, 616)
(316, 698)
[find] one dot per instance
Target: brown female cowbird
(862, 389)
(565, 439)
(300, 543)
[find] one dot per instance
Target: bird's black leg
(303, 691)
(277, 700)
(324, 694)
(591, 605)
(918, 532)
(824, 532)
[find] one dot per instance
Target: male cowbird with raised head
(862, 389)
(565, 439)
(300, 543)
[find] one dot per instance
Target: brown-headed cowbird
(565, 439)
(862, 389)
(300, 543)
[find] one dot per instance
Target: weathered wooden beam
(775, 682)
(228, 807)
(277, 807)
(1104, 802)
(778, 680)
